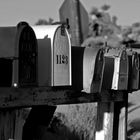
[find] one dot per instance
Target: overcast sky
(13, 11)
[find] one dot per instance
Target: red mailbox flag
(78, 19)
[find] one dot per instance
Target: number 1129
(61, 59)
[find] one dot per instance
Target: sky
(14, 11)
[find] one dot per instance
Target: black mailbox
(87, 69)
(133, 81)
(18, 56)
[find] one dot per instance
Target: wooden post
(122, 124)
(15, 126)
(21, 116)
(37, 122)
(112, 120)
(105, 117)
(120, 120)
(11, 123)
(7, 124)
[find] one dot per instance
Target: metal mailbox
(133, 81)
(18, 56)
(115, 75)
(87, 69)
(54, 55)
(136, 48)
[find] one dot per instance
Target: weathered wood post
(11, 123)
(7, 124)
(120, 116)
(105, 118)
(20, 118)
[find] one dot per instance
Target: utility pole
(78, 19)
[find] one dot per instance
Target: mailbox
(18, 56)
(54, 55)
(115, 75)
(133, 81)
(135, 48)
(87, 69)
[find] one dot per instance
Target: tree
(136, 24)
(103, 28)
(105, 7)
(114, 20)
(44, 22)
(94, 11)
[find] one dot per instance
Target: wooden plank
(105, 117)
(27, 97)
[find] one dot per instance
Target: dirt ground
(134, 116)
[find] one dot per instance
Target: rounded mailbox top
(116, 53)
(10, 37)
(55, 50)
(49, 31)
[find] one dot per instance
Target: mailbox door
(139, 69)
(130, 71)
(135, 72)
(27, 65)
(108, 73)
(98, 73)
(92, 70)
(133, 79)
(116, 70)
(121, 65)
(136, 49)
(88, 68)
(61, 58)
(115, 79)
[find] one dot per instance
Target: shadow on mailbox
(87, 69)
(44, 61)
(115, 75)
(18, 56)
